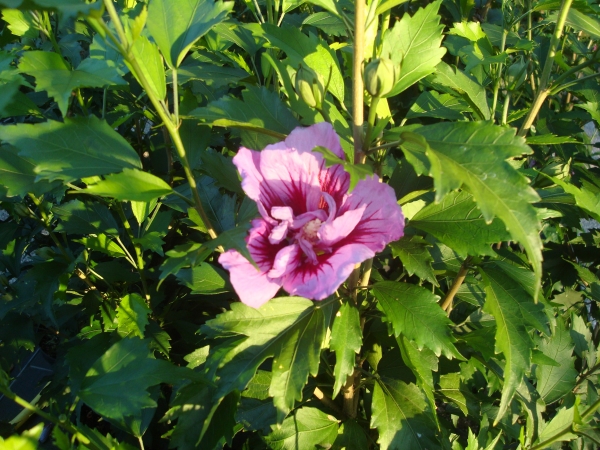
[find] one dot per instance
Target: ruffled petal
(248, 163)
(335, 181)
(382, 221)
(252, 286)
(287, 259)
(321, 134)
(262, 250)
(332, 232)
(321, 280)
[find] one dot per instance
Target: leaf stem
(370, 124)
(543, 90)
(505, 108)
(458, 281)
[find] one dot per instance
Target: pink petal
(334, 231)
(286, 260)
(279, 233)
(252, 286)
(335, 181)
(382, 221)
(247, 162)
(262, 250)
(321, 280)
(321, 134)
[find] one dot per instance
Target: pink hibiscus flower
(312, 232)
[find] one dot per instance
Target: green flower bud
(381, 75)
(310, 87)
(21, 210)
(515, 75)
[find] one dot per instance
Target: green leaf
(132, 315)
(459, 394)
(584, 198)
(78, 148)
(66, 8)
(559, 429)
(204, 279)
(351, 436)
(582, 22)
(176, 25)
(116, 385)
(222, 169)
(131, 184)
(440, 106)
(288, 329)
(513, 310)
(152, 68)
(20, 23)
(307, 51)
(77, 217)
(330, 24)
(151, 241)
(308, 428)
(414, 312)
(471, 91)
(402, 417)
(346, 341)
(141, 210)
(261, 110)
(415, 257)
(102, 243)
(52, 74)
(210, 74)
(555, 382)
(551, 139)
(457, 222)
(473, 155)
(415, 43)
(18, 174)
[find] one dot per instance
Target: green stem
(357, 80)
(137, 247)
(499, 68)
(175, 98)
(543, 91)
(49, 33)
(160, 107)
(67, 426)
(505, 108)
(370, 124)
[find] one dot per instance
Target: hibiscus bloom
(312, 231)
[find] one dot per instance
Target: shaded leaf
(346, 340)
(308, 428)
(78, 148)
(415, 257)
(77, 217)
(204, 279)
(132, 315)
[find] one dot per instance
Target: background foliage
(477, 330)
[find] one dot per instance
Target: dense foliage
(478, 329)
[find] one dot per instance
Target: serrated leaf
(308, 428)
(288, 329)
(555, 382)
(204, 279)
(307, 51)
(18, 174)
(346, 341)
(402, 417)
(351, 436)
(415, 257)
(551, 139)
(440, 106)
(261, 110)
(176, 25)
(513, 310)
(457, 222)
(473, 155)
(584, 198)
(222, 169)
(20, 23)
(415, 43)
(132, 315)
(52, 74)
(414, 312)
(331, 24)
(102, 243)
(559, 428)
(471, 91)
(85, 218)
(452, 388)
(131, 184)
(210, 74)
(116, 384)
(78, 148)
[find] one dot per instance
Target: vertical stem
(175, 98)
(357, 80)
(370, 124)
(498, 75)
(543, 90)
(458, 281)
(505, 109)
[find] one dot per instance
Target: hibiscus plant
(299, 224)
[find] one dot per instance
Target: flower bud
(515, 75)
(381, 75)
(310, 87)
(21, 210)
